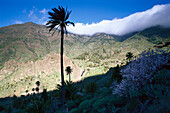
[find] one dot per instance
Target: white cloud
(38, 16)
(158, 15)
(44, 11)
(31, 13)
(18, 22)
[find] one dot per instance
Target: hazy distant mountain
(30, 50)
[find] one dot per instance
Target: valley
(28, 52)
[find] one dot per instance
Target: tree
(116, 74)
(69, 71)
(38, 83)
(58, 19)
(129, 56)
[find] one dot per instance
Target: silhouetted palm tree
(129, 55)
(58, 19)
(69, 71)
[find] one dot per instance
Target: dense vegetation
(143, 87)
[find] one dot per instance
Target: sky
(91, 16)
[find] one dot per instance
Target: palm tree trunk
(69, 77)
(62, 72)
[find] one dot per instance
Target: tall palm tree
(58, 19)
(69, 71)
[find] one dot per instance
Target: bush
(131, 107)
(71, 104)
(140, 71)
(17, 103)
(1, 108)
(88, 96)
(8, 109)
(108, 84)
(161, 77)
(44, 95)
(75, 110)
(86, 106)
(118, 101)
(116, 75)
(104, 91)
(36, 106)
(91, 87)
(71, 90)
(104, 105)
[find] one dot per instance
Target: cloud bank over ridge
(158, 15)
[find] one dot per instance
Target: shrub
(86, 106)
(33, 89)
(17, 103)
(37, 89)
(75, 110)
(108, 84)
(8, 109)
(78, 101)
(116, 74)
(88, 96)
(131, 107)
(71, 104)
(104, 105)
(118, 101)
(36, 106)
(159, 106)
(155, 91)
(104, 91)
(44, 95)
(91, 87)
(140, 71)
(1, 108)
(38, 83)
(161, 77)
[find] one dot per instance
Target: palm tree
(58, 19)
(129, 55)
(69, 71)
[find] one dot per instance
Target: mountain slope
(29, 50)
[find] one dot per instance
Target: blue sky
(83, 11)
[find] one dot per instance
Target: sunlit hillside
(28, 52)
